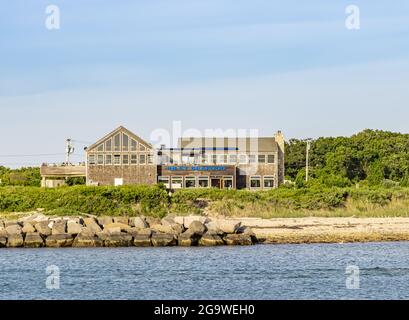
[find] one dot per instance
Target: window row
(177, 182)
(118, 159)
(218, 159)
(266, 181)
(120, 142)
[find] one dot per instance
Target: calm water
(257, 272)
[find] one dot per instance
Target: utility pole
(69, 150)
(307, 160)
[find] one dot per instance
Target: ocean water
(311, 271)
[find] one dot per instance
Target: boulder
(43, 228)
(9, 223)
(86, 241)
(115, 226)
(92, 224)
(13, 229)
(118, 240)
(213, 228)
(59, 240)
(33, 240)
(209, 240)
(123, 220)
(28, 228)
(73, 227)
(163, 229)
(139, 231)
(197, 228)
(59, 227)
(238, 240)
(188, 239)
(189, 219)
(102, 221)
(247, 231)
(142, 240)
(1, 225)
(3, 242)
(138, 222)
(152, 220)
(15, 240)
(87, 232)
(167, 221)
(163, 240)
(228, 226)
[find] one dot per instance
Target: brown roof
(262, 144)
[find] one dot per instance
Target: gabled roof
(261, 144)
(118, 130)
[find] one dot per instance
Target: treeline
(29, 176)
(370, 158)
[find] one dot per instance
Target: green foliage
(20, 177)
(125, 200)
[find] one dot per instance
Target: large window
(125, 142)
(134, 159)
(117, 142)
(190, 182)
(100, 159)
(214, 158)
(233, 158)
(108, 159)
(268, 182)
(142, 147)
(125, 159)
(203, 182)
(228, 182)
(177, 182)
(91, 159)
(150, 159)
(108, 145)
(262, 158)
(165, 181)
(142, 159)
(223, 158)
(255, 182)
(252, 158)
(270, 158)
(117, 159)
(100, 148)
(134, 145)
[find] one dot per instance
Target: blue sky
(211, 64)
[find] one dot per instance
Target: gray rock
(59, 240)
(43, 228)
(161, 228)
(238, 240)
(209, 240)
(118, 240)
(248, 231)
(28, 228)
(188, 239)
(73, 227)
(189, 219)
(152, 220)
(59, 227)
(15, 240)
(9, 223)
(228, 226)
(87, 241)
(123, 220)
(138, 222)
(163, 240)
(13, 229)
(3, 242)
(140, 231)
(168, 221)
(33, 240)
(92, 224)
(102, 221)
(213, 228)
(87, 232)
(197, 228)
(142, 240)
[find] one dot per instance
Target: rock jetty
(38, 231)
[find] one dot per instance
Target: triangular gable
(120, 129)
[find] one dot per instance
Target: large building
(121, 157)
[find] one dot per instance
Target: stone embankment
(41, 231)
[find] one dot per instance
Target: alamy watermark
(353, 20)
(352, 281)
(52, 281)
(52, 21)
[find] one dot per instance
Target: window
(242, 159)
(117, 142)
(228, 182)
(108, 159)
(142, 159)
(233, 158)
(255, 182)
(134, 159)
(108, 145)
(150, 159)
(204, 158)
(134, 145)
(142, 147)
(125, 159)
(203, 182)
(268, 182)
(262, 158)
(177, 182)
(100, 159)
(100, 148)
(165, 181)
(222, 158)
(214, 158)
(125, 142)
(252, 158)
(190, 182)
(91, 159)
(117, 159)
(270, 158)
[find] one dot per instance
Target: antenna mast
(69, 150)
